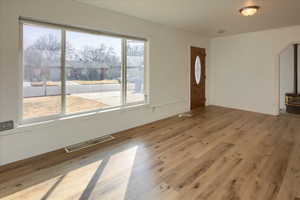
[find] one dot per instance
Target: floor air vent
(87, 144)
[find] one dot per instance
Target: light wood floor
(218, 154)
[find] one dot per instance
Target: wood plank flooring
(218, 154)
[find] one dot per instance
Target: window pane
(135, 71)
(198, 70)
(93, 72)
(42, 71)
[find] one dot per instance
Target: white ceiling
(208, 17)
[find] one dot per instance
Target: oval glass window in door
(198, 70)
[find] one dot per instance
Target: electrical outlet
(8, 125)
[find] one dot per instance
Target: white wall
(169, 62)
(245, 69)
(287, 73)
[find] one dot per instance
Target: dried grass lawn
(51, 105)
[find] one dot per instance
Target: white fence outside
(33, 91)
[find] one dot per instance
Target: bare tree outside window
(93, 71)
(42, 69)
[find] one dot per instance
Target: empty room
(149, 100)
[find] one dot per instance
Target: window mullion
(63, 72)
(124, 71)
(146, 71)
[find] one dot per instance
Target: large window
(69, 71)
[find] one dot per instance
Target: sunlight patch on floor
(68, 186)
(104, 179)
(114, 180)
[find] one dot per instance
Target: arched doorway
(289, 98)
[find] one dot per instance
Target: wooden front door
(198, 56)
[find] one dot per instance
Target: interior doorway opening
(289, 79)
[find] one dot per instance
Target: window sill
(27, 127)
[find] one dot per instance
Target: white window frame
(64, 29)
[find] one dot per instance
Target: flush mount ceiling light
(249, 10)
